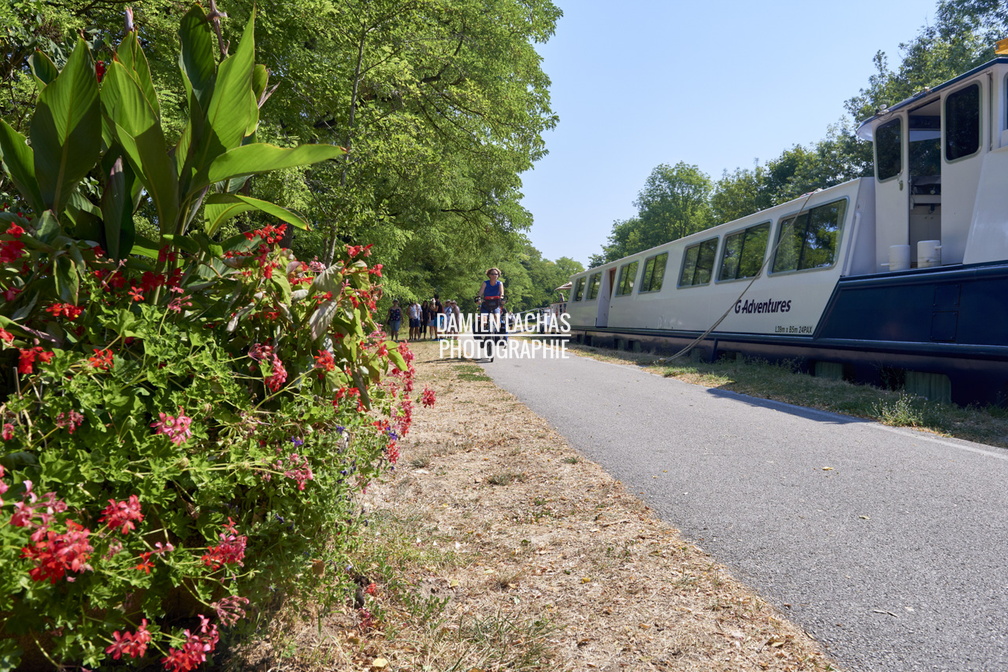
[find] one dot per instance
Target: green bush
(185, 421)
(232, 447)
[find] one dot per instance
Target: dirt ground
(518, 553)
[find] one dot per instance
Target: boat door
(605, 294)
(892, 188)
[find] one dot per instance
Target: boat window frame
(647, 278)
(946, 117)
(878, 133)
(1004, 116)
(579, 285)
(685, 263)
(593, 284)
(767, 225)
(807, 213)
(625, 278)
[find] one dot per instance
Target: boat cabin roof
(865, 130)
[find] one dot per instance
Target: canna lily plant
(97, 152)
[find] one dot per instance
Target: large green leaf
(222, 207)
(19, 159)
(321, 319)
(196, 59)
(66, 129)
(132, 57)
(261, 158)
(117, 213)
(67, 279)
(82, 219)
(329, 280)
(232, 105)
(42, 68)
(260, 80)
(189, 144)
(138, 131)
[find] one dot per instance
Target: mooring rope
(731, 307)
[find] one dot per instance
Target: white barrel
(928, 253)
(899, 257)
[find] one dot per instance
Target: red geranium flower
(122, 515)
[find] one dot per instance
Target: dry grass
(988, 425)
(496, 546)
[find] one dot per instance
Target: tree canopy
(674, 202)
(440, 105)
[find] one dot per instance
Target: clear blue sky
(721, 84)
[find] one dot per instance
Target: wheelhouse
(940, 161)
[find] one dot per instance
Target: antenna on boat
(692, 344)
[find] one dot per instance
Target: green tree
(739, 193)
(441, 105)
(963, 36)
(674, 202)
(538, 279)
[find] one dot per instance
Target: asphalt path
(890, 546)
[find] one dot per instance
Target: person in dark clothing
(395, 320)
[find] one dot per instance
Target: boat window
(925, 145)
(594, 281)
(579, 289)
(962, 123)
(889, 149)
(627, 275)
(809, 239)
(744, 252)
(654, 272)
(698, 263)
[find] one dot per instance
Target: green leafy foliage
(673, 203)
(184, 430)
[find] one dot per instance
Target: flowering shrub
(199, 457)
(183, 426)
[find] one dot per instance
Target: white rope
(731, 307)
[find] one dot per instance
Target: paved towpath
(890, 546)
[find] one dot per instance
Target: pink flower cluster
(175, 428)
(69, 420)
(54, 553)
(231, 609)
(195, 649)
(57, 553)
(231, 550)
(133, 644)
(299, 469)
(121, 515)
(266, 353)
